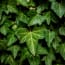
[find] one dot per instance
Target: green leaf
(48, 59)
(49, 36)
(23, 18)
(26, 2)
(58, 8)
(32, 43)
(9, 60)
(41, 50)
(37, 19)
(30, 37)
(56, 42)
(11, 9)
(48, 17)
(11, 39)
(4, 30)
(3, 58)
(62, 30)
(14, 49)
(3, 44)
(61, 50)
(41, 8)
(23, 2)
(24, 54)
(34, 60)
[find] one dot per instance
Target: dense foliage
(32, 32)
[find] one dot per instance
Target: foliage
(32, 32)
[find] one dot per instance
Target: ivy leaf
(62, 31)
(24, 55)
(4, 30)
(56, 42)
(3, 44)
(34, 60)
(32, 43)
(41, 8)
(41, 50)
(11, 9)
(30, 37)
(58, 8)
(10, 60)
(14, 49)
(22, 17)
(49, 36)
(23, 2)
(37, 19)
(61, 50)
(11, 39)
(26, 2)
(48, 17)
(3, 58)
(49, 58)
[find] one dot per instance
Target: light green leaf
(24, 54)
(11, 9)
(48, 59)
(56, 42)
(30, 37)
(22, 17)
(26, 2)
(37, 19)
(58, 8)
(49, 36)
(14, 49)
(4, 29)
(11, 39)
(31, 43)
(23, 2)
(49, 17)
